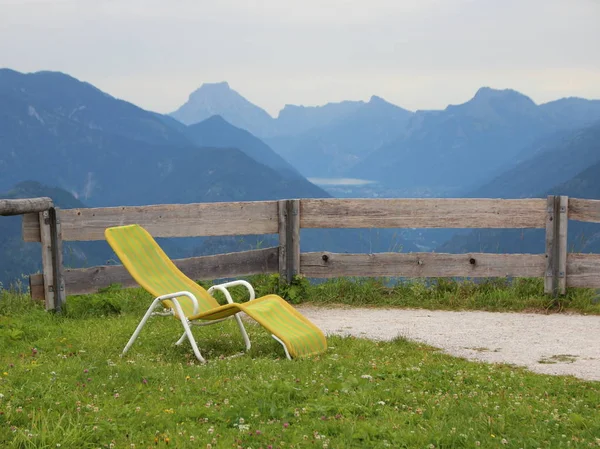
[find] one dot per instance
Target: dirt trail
(550, 344)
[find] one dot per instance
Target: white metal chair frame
(186, 323)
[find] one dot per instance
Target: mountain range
(65, 133)
(448, 152)
(65, 138)
(567, 165)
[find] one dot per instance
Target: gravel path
(569, 344)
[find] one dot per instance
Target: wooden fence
(286, 217)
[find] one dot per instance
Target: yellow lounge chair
(191, 304)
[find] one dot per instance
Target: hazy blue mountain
(541, 176)
(294, 120)
(433, 153)
(113, 170)
(219, 99)
(554, 161)
(39, 142)
(329, 150)
(61, 132)
(460, 146)
(54, 98)
(573, 111)
(218, 133)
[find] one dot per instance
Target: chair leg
(182, 339)
(287, 353)
(140, 325)
(188, 333)
(242, 330)
(238, 318)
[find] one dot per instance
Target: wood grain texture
(292, 239)
(583, 270)
(584, 210)
(244, 263)
(174, 220)
(563, 221)
(47, 271)
(57, 259)
(422, 213)
(329, 265)
(30, 227)
(24, 206)
(282, 217)
(36, 287)
(551, 229)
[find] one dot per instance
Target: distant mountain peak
(220, 99)
(377, 99)
(487, 93)
(497, 104)
(220, 87)
(217, 118)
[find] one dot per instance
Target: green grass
(440, 294)
(63, 383)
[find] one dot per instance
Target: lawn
(497, 295)
(64, 385)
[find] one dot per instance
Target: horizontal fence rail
(166, 220)
(422, 213)
(584, 210)
(287, 217)
(90, 280)
(476, 265)
(583, 270)
(24, 206)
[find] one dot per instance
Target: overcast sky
(419, 54)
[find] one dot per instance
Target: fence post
(555, 280)
(47, 271)
(57, 259)
(289, 239)
(52, 269)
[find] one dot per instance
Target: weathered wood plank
(292, 239)
(282, 214)
(330, 265)
(555, 281)
(550, 275)
(47, 271)
(423, 213)
(583, 270)
(31, 227)
(57, 259)
(244, 263)
(25, 206)
(563, 221)
(36, 287)
(584, 210)
(174, 220)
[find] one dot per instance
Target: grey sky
(419, 54)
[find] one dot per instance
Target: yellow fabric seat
(192, 304)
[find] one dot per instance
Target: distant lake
(340, 181)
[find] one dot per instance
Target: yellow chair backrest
(152, 268)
